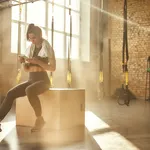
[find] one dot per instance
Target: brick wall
(138, 39)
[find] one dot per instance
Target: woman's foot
(39, 124)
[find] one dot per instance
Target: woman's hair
(34, 30)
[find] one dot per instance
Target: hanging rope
(101, 78)
(125, 58)
(52, 35)
(19, 71)
(69, 75)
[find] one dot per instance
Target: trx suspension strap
(69, 77)
(19, 71)
(147, 86)
(52, 36)
(125, 57)
(101, 78)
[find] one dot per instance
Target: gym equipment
(69, 75)
(147, 86)
(124, 95)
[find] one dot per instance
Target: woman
(39, 57)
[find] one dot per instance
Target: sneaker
(39, 124)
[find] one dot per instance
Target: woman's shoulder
(46, 43)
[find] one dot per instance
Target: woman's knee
(10, 95)
(29, 91)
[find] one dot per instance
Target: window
(40, 13)
(36, 13)
(14, 37)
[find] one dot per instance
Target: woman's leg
(15, 92)
(32, 93)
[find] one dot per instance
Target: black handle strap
(125, 54)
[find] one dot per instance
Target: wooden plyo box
(63, 110)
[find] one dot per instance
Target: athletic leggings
(37, 84)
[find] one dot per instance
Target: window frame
(47, 28)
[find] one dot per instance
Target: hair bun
(31, 25)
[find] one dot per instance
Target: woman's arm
(51, 55)
(51, 66)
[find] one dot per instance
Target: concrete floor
(109, 127)
(121, 127)
(21, 138)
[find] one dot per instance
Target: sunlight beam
(6, 128)
(117, 17)
(94, 123)
(113, 141)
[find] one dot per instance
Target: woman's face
(34, 39)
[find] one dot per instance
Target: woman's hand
(33, 60)
(21, 59)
